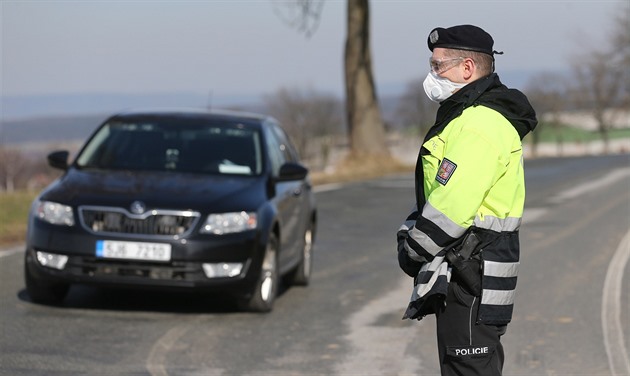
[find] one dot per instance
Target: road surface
(571, 314)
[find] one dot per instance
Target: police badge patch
(446, 170)
(434, 36)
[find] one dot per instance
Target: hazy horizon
(89, 103)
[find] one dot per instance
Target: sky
(232, 48)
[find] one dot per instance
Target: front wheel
(266, 288)
(301, 276)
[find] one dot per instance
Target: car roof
(195, 113)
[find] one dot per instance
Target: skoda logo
(138, 207)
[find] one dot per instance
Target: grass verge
(14, 207)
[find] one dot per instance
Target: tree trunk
(602, 127)
(366, 129)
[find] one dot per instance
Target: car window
(276, 156)
(286, 147)
(181, 146)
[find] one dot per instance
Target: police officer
(470, 194)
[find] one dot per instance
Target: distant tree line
(20, 170)
(598, 81)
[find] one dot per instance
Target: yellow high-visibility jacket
(473, 180)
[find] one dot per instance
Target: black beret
(461, 37)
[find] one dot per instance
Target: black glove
(407, 264)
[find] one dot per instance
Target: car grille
(102, 220)
(175, 271)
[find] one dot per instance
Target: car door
(288, 195)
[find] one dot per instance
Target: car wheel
(44, 292)
(301, 276)
(266, 288)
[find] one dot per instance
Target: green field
(14, 209)
(546, 132)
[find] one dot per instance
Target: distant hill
(22, 107)
(49, 129)
(74, 117)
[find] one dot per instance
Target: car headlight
(52, 260)
(54, 213)
(222, 270)
(227, 223)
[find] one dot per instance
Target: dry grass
(361, 168)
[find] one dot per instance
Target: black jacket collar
(490, 92)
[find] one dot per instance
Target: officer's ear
(470, 69)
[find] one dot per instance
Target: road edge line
(611, 310)
(10, 252)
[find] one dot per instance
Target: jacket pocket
(461, 294)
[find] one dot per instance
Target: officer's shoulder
(482, 112)
(487, 125)
(485, 120)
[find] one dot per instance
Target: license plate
(133, 250)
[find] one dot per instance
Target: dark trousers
(466, 348)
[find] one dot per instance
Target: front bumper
(183, 272)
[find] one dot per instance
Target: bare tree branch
(313, 120)
(302, 15)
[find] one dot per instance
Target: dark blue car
(181, 199)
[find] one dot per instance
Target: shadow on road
(135, 300)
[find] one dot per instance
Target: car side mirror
(292, 171)
(59, 159)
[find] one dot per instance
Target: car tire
(44, 292)
(301, 276)
(266, 288)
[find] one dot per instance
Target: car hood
(164, 190)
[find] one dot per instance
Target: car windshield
(174, 145)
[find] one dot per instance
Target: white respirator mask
(438, 88)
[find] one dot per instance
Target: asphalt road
(571, 316)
